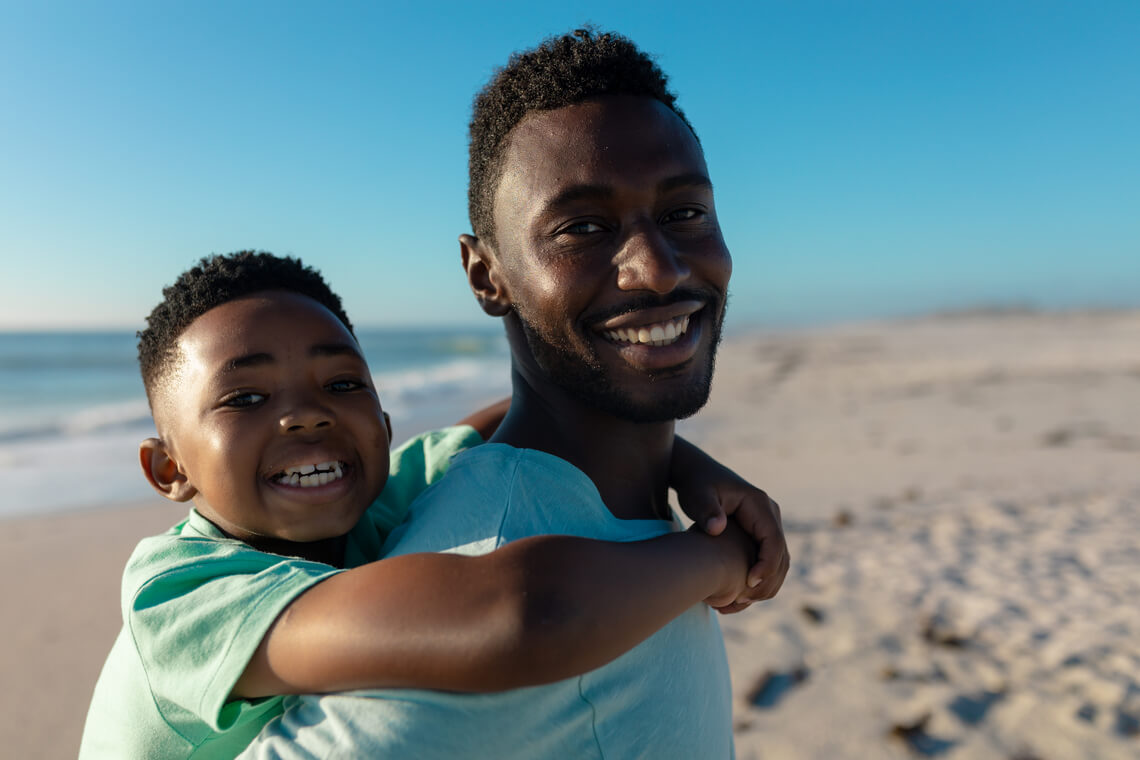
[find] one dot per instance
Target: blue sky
(870, 159)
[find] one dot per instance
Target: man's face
(271, 392)
(610, 250)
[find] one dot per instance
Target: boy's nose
(305, 417)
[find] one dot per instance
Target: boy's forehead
(258, 322)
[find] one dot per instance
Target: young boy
(269, 423)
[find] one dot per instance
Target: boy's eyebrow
(334, 349)
(317, 350)
(249, 360)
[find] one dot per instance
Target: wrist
(714, 563)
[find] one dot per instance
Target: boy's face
(272, 420)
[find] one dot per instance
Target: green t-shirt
(196, 605)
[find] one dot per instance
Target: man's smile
(655, 339)
(657, 334)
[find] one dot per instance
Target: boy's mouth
(310, 475)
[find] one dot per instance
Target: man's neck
(627, 461)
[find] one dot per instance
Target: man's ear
(483, 276)
(388, 424)
(162, 472)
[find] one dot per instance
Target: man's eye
(243, 400)
(581, 228)
(344, 386)
(683, 215)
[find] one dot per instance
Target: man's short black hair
(562, 71)
(216, 280)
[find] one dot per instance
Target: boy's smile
(272, 421)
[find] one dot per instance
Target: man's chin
(666, 407)
(661, 396)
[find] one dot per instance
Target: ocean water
(72, 407)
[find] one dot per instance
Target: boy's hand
(708, 492)
(736, 551)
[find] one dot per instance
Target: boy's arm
(486, 421)
(708, 492)
(534, 611)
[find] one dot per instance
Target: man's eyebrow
(694, 179)
(602, 192)
(579, 193)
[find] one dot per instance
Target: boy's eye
(242, 400)
(344, 386)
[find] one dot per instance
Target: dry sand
(962, 500)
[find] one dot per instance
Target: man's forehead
(622, 136)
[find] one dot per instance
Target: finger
(771, 579)
(759, 571)
(758, 521)
(716, 524)
(703, 507)
(731, 609)
(772, 585)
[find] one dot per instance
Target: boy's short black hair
(562, 71)
(216, 280)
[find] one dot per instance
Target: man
(596, 241)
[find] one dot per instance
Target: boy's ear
(483, 276)
(388, 424)
(162, 472)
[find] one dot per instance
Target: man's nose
(305, 415)
(649, 261)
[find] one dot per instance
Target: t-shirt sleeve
(414, 466)
(196, 609)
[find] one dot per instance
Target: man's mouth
(310, 475)
(656, 334)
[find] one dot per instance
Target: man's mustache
(649, 301)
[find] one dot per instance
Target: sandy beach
(962, 501)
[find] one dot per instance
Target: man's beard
(584, 378)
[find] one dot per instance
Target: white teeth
(311, 475)
(661, 334)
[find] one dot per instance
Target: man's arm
(708, 492)
(534, 611)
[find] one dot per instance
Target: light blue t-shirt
(669, 697)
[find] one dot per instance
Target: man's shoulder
(500, 475)
(493, 494)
